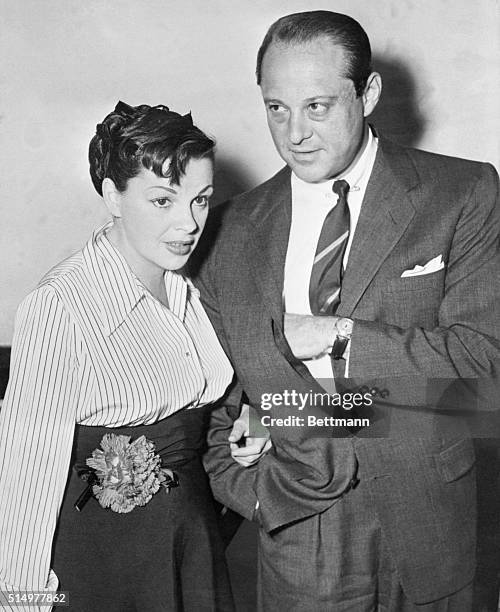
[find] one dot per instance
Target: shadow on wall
(397, 114)
(4, 368)
(230, 179)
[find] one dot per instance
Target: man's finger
(253, 446)
(246, 451)
(238, 431)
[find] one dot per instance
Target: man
(378, 261)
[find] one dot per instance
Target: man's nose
(299, 128)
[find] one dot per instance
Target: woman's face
(158, 224)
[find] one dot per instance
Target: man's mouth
(303, 155)
(303, 152)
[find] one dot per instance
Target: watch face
(344, 326)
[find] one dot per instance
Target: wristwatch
(343, 327)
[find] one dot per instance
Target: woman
(115, 340)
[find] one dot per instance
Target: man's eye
(276, 108)
(201, 201)
(317, 108)
(161, 202)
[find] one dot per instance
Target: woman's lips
(180, 247)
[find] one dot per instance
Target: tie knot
(341, 188)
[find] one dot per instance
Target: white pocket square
(433, 265)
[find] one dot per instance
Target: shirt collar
(117, 289)
(354, 176)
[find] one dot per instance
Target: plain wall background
(65, 63)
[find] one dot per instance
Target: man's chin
(309, 174)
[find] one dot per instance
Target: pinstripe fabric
(91, 346)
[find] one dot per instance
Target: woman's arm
(37, 423)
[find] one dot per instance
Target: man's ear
(371, 94)
(112, 198)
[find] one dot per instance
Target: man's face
(315, 118)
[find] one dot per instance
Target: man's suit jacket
(441, 326)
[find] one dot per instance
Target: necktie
(326, 275)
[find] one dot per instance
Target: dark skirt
(165, 556)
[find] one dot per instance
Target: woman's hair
(135, 137)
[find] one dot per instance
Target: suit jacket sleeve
(295, 479)
(231, 484)
(466, 343)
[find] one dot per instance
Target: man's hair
(342, 30)
(135, 137)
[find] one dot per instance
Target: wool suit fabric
(417, 338)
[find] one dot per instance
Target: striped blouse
(91, 346)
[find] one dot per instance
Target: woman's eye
(201, 200)
(161, 202)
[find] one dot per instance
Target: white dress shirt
(311, 202)
(91, 346)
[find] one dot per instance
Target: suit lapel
(266, 249)
(267, 245)
(386, 212)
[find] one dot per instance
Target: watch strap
(339, 347)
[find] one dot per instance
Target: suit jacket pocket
(433, 281)
(456, 460)
(412, 302)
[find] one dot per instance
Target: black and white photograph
(250, 313)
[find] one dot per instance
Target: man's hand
(253, 448)
(309, 336)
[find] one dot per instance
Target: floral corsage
(124, 474)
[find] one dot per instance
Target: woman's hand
(247, 450)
